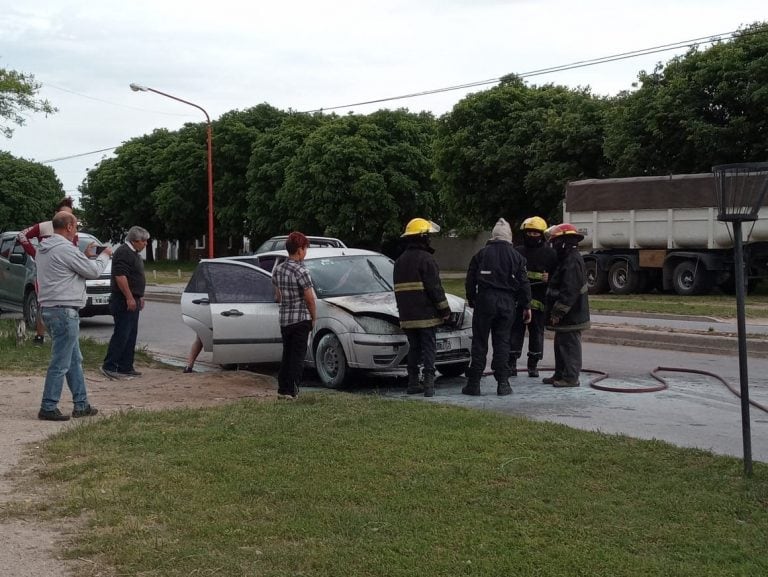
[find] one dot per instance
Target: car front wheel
(31, 309)
(331, 362)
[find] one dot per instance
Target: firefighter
(567, 305)
(541, 261)
(421, 303)
(496, 285)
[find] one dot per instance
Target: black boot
(429, 384)
(503, 388)
(471, 388)
(533, 370)
(414, 386)
(513, 365)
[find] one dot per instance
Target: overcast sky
(305, 55)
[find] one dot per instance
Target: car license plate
(444, 345)
(100, 300)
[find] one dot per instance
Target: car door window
(17, 249)
(198, 283)
(232, 283)
(5, 247)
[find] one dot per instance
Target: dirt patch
(30, 547)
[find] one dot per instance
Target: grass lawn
(341, 485)
(31, 359)
(169, 271)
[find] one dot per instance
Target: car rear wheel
(31, 309)
(331, 362)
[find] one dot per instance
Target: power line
(550, 70)
(539, 72)
(77, 155)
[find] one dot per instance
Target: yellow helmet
(418, 226)
(534, 223)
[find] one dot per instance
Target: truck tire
(597, 280)
(692, 278)
(622, 279)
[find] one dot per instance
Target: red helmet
(563, 230)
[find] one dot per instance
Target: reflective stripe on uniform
(537, 305)
(533, 275)
(421, 324)
(409, 286)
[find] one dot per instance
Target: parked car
(278, 243)
(229, 303)
(97, 290)
(17, 280)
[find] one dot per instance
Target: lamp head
(137, 87)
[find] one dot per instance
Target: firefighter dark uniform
(421, 303)
(497, 282)
(541, 261)
(567, 306)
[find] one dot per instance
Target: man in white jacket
(61, 274)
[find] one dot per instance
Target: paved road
(695, 411)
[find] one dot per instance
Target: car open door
(244, 314)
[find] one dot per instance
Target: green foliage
(360, 178)
(343, 485)
(17, 97)
(509, 151)
(29, 192)
(234, 136)
(705, 108)
(271, 154)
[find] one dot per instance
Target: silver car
(229, 303)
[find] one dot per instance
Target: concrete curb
(714, 343)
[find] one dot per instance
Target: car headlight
(467, 320)
(378, 326)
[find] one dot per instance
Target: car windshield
(350, 275)
(84, 239)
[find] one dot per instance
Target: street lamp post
(209, 134)
(739, 193)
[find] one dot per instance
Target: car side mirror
(17, 258)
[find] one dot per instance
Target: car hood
(381, 303)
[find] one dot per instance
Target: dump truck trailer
(660, 232)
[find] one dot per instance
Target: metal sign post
(739, 193)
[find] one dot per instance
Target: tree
(272, 151)
(123, 191)
(29, 192)
(17, 95)
(508, 151)
(704, 108)
(234, 135)
(360, 178)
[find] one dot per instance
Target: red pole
(211, 252)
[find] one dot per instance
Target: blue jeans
(122, 345)
(63, 324)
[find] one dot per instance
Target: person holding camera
(61, 272)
